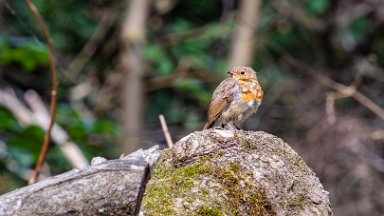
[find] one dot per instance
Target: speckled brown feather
(222, 97)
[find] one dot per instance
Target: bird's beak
(230, 72)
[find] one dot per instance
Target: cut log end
(113, 187)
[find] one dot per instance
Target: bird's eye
(242, 72)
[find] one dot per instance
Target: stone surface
(218, 172)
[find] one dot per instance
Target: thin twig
(55, 84)
(167, 135)
(332, 96)
(341, 88)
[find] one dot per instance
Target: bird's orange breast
(251, 92)
(249, 96)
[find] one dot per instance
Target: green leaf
(358, 29)
(106, 127)
(7, 121)
(285, 36)
(318, 7)
(156, 55)
(194, 87)
(180, 26)
(28, 54)
(29, 140)
(22, 157)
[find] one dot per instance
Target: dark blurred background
(122, 63)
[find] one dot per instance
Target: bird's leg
(232, 126)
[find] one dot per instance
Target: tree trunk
(243, 40)
(218, 172)
(132, 66)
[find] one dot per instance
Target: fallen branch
(39, 115)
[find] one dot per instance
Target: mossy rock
(219, 172)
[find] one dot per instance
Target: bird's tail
(208, 125)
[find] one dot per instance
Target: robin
(235, 99)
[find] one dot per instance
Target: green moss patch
(209, 211)
(170, 183)
(231, 195)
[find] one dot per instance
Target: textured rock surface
(112, 187)
(218, 172)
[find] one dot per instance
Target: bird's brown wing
(222, 97)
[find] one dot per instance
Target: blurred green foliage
(318, 7)
(28, 55)
(359, 29)
(71, 24)
(159, 58)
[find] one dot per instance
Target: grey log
(219, 172)
(112, 187)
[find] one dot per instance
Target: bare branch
(55, 84)
(332, 96)
(349, 91)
